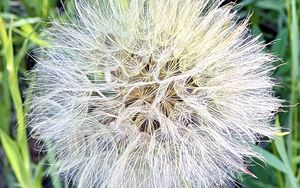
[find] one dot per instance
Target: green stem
(13, 83)
(21, 131)
(294, 40)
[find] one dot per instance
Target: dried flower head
(152, 93)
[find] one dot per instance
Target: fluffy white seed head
(152, 93)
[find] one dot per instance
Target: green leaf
(28, 32)
(4, 5)
(8, 15)
(245, 3)
(280, 146)
(271, 160)
(21, 54)
(280, 44)
(270, 4)
(14, 157)
(6, 38)
(24, 21)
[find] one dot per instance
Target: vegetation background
(22, 164)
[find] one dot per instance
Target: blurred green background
(22, 162)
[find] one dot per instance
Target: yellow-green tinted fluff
(152, 93)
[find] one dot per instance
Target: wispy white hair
(152, 94)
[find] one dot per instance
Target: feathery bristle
(152, 93)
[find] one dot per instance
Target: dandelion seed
(152, 93)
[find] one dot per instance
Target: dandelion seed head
(152, 93)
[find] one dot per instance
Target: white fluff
(152, 94)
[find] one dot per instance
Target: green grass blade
(27, 31)
(14, 157)
(294, 39)
(280, 146)
(24, 21)
(270, 5)
(22, 52)
(271, 159)
(4, 5)
(6, 39)
(4, 101)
